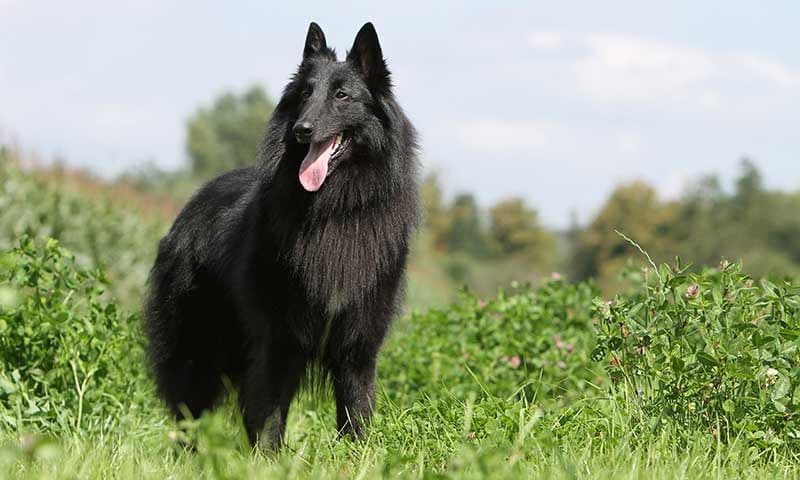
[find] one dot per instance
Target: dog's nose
(303, 130)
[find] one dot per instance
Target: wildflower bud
(772, 376)
(693, 290)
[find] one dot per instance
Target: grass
(504, 387)
(424, 441)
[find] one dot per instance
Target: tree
(707, 224)
(701, 220)
(635, 210)
(227, 135)
(749, 185)
(514, 229)
(464, 230)
(435, 215)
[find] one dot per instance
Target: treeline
(485, 248)
(758, 226)
(506, 241)
(703, 226)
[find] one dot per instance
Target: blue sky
(553, 101)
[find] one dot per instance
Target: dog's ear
(315, 41)
(367, 58)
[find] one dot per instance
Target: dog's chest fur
(340, 261)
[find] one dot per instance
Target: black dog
(299, 261)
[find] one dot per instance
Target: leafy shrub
(531, 343)
(715, 352)
(69, 359)
(99, 232)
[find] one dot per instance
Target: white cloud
(8, 6)
(573, 145)
(545, 40)
(619, 68)
(622, 68)
(771, 71)
(496, 136)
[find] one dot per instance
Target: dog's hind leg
(189, 384)
(267, 390)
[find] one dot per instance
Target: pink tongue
(314, 168)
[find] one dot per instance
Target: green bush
(529, 343)
(713, 352)
(95, 228)
(70, 360)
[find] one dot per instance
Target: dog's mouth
(321, 159)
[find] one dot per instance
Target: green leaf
(728, 406)
(706, 359)
(677, 365)
(781, 388)
(770, 288)
(790, 333)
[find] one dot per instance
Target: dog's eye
(341, 95)
(306, 94)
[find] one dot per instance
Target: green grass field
(550, 382)
(687, 375)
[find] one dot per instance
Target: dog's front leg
(354, 388)
(267, 392)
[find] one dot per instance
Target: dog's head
(338, 104)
